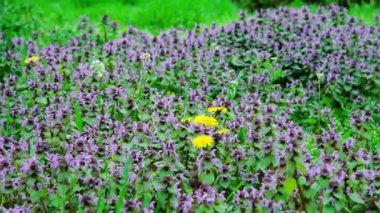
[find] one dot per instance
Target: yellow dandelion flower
(203, 141)
(32, 59)
(205, 121)
(215, 110)
(185, 120)
(223, 131)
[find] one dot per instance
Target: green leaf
(312, 192)
(290, 185)
(207, 178)
(230, 196)
(145, 116)
(135, 114)
(328, 209)
(221, 208)
(264, 163)
(35, 196)
(311, 208)
(356, 198)
(42, 100)
(123, 111)
(242, 135)
(224, 184)
(326, 101)
(161, 198)
(68, 72)
(78, 116)
(232, 92)
(89, 121)
(323, 183)
(235, 61)
(147, 198)
(301, 167)
(291, 168)
(179, 165)
(101, 204)
(310, 121)
(62, 189)
(302, 180)
(27, 135)
(56, 201)
(277, 74)
(339, 204)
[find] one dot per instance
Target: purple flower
(184, 202)
(31, 167)
(206, 194)
(87, 200)
(5, 166)
(54, 160)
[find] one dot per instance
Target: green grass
(150, 15)
(366, 12)
(22, 17)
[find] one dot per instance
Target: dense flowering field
(275, 112)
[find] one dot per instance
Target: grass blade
(125, 183)
(103, 193)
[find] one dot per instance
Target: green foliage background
(22, 17)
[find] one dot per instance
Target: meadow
(275, 110)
